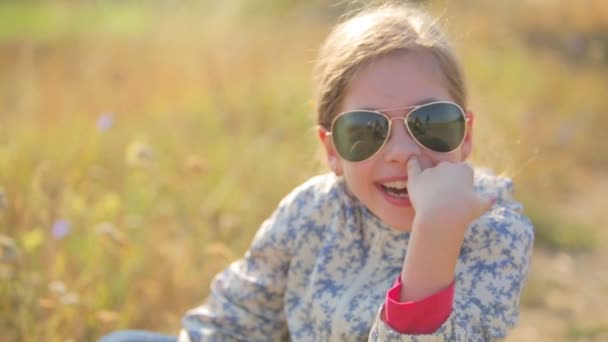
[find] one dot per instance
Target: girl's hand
(445, 204)
(443, 195)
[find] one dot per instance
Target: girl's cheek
(436, 158)
(427, 161)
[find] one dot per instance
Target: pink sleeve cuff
(420, 317)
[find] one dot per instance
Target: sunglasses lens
(439, 126)
(359, 135)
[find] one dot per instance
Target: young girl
(403, 241)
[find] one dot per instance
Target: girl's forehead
(396, 81)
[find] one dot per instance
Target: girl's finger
(413, 167)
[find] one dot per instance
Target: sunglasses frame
(404, 118)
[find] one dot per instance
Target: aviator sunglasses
(436, 126)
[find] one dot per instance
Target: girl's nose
(400, 145)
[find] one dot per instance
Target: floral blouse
(320, 267)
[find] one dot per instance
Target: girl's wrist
(417, 288)
(430, 260)
(452, 219)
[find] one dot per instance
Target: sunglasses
(436, 126)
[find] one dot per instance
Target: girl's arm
(490, 274)
(445, 203)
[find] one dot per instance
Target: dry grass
(142, 145)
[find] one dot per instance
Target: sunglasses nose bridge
(400, 145)
(397, 118)
(405, 128)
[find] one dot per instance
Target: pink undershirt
(424, 316)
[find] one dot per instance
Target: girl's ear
(467, 144)
(333, 160)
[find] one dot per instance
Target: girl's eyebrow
(419, 103)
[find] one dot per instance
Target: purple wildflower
(61, 228)
(105, 122)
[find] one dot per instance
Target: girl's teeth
(397, 192)
(399, 185)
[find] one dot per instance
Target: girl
(403, 241)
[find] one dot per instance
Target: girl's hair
(373, 33)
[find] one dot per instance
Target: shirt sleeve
(419, 317)
(490, 275)
(246, 299)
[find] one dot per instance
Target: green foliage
(43, 21)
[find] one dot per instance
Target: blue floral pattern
(320, 266)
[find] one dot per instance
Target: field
(143, 142)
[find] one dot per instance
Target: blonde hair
(374, 33)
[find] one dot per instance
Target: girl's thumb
(413, 167)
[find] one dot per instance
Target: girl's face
(393, 81)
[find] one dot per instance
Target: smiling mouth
(395, 189)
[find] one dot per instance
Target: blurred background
(143, 142)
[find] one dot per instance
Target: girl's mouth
(395, 192)
(396, 189)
